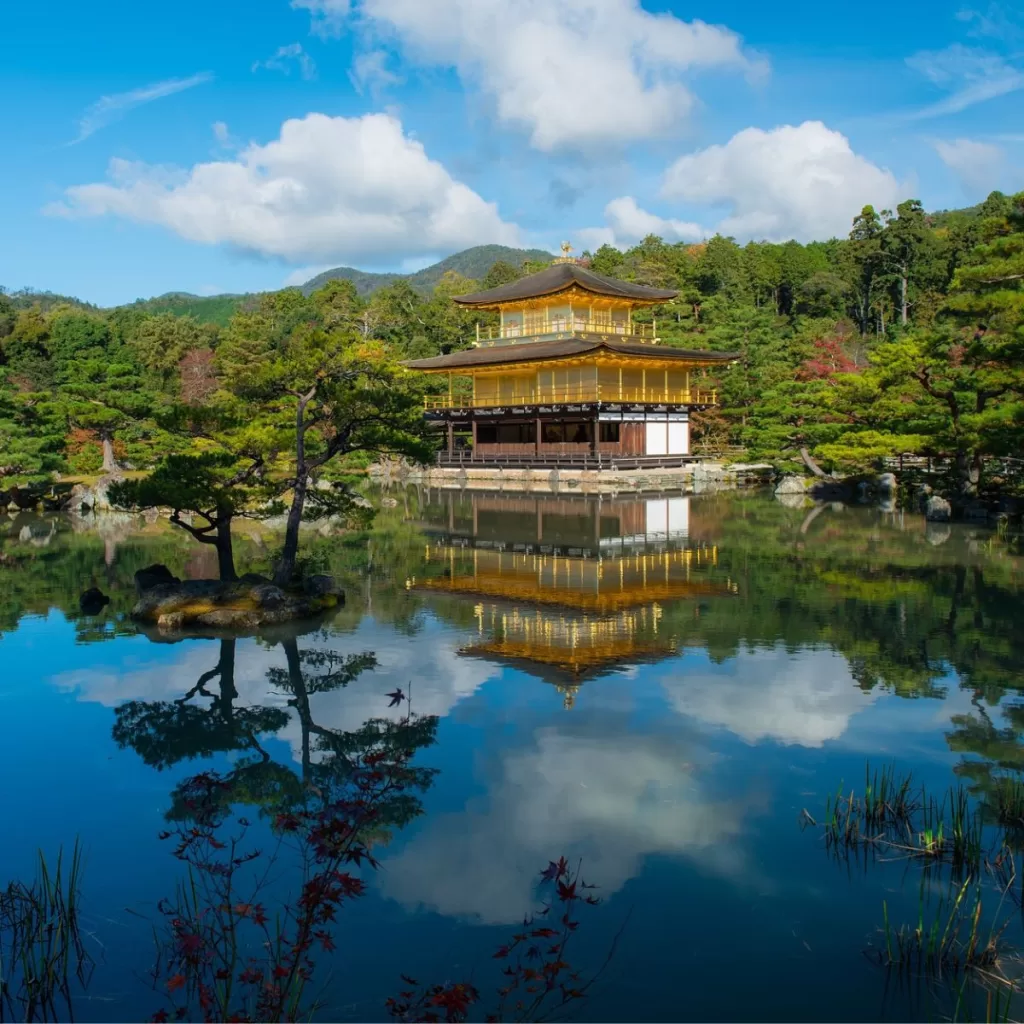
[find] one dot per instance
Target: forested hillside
(905, 337)
(204, 309)
(471, 263)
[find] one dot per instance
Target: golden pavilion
(566, 588)
(567, 377)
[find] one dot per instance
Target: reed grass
(1009, 802)
(41, 947)
(949, 941)
(892, 814)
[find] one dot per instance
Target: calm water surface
(659, 687)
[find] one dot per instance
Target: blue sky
(228, 146)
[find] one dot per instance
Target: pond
(668, 691)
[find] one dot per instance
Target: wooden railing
(575, 394)
(582, 459)
(533, 327)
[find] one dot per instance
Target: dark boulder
(323, 586)
(153, 576)
(93, 601)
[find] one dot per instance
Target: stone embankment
(694, 476)
(806, 491)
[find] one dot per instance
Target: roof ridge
(561, 276)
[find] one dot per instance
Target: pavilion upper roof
(560, 277)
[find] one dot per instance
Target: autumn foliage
(226, 954)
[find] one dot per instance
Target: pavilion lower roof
(562, 348)
(523, 587)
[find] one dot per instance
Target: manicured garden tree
(213, 487)
(330, 393)
(31, 434)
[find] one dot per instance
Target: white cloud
(802, 699)
(611, 797)
(577, 74)
(221, 133)
(300, 275)
(977, 165)
(626, 224)
(329, 188)
(328, 16)
(370, 72)
(628, 221)
(995, 21)
(108, 109)
(803, 182)
(969, 74)
(287, 56)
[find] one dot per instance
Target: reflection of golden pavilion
(576, 646)
(568, 610)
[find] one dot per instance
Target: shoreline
(695, 477)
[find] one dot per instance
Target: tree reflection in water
(224, 956)
(237, 942)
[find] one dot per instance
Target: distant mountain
(26, 298)
(473, 263)
(207, 309)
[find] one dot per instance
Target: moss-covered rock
(245, 604)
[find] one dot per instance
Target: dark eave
(561, 348)
(560, 277)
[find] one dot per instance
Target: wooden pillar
(595, 433)
(474, 452)
(451, 437)
(536, 438)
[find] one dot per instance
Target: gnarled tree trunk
(109, 462)
(285, 568)
(968, 472)
(225, 550)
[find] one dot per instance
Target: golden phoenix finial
(566, 249)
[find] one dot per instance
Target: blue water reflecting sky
(679, 781)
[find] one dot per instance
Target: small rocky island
(252, 601)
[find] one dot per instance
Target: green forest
(907, 337)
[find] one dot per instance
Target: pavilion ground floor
(583, 437)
